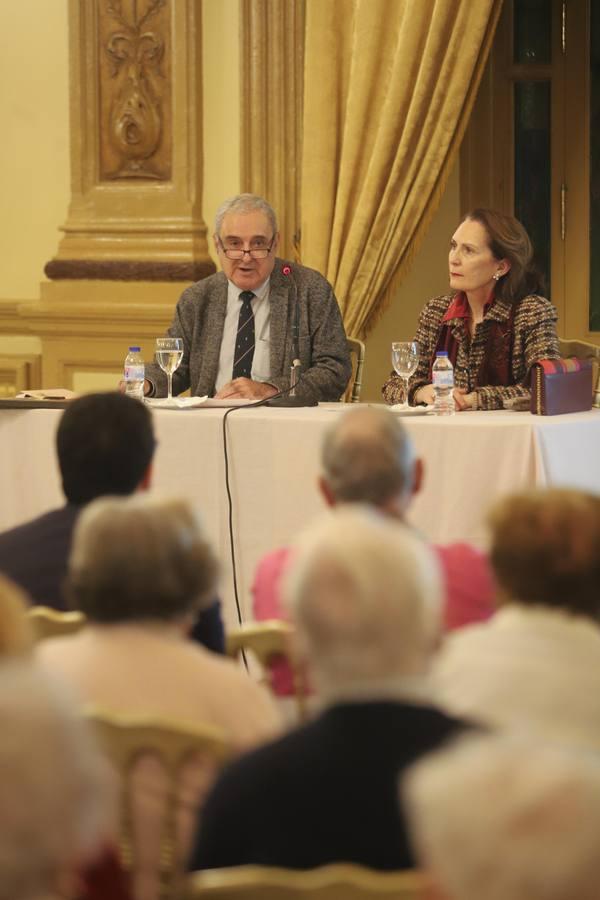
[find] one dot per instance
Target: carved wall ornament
(135, 93)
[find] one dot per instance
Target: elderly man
(243, 328)
(499, 819)
(368, 457)
(365, 598)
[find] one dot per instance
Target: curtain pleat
(388, 89)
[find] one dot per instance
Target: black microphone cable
(233, 409)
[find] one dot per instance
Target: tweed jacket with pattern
(200, 316)
(534, 337)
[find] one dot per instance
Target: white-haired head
(56, 790)
(500, 818)
(368, 457)
(245, 203)
(365, 594)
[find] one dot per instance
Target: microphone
(296, 364)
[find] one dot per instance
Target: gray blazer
(200, 316)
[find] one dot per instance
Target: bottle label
(134, 373)
(443, 379)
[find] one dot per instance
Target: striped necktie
(244, 341)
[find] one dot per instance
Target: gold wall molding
(135, 92)
(10, 320)
(19, 372)
(136, 143)
(86, 327)
(272, 73)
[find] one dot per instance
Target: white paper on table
(196, 402)
(176, 402)
(47, 394)
(411, 410)
(238, 401)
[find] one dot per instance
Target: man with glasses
(243, 328)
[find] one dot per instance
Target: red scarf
(496, 366)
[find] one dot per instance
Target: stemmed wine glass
(169, 353)
(405, 358)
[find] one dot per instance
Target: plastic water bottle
(443, 385)
(134, 374)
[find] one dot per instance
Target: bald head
(368, 457)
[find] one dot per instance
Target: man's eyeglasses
(240, 252)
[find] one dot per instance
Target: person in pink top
(368, 457)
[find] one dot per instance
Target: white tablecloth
(470, 460)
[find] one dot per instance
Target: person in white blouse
(535, 666)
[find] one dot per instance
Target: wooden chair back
(357, 356)
(269, 642)
(46, 622)
(165, 770)
(340, 881)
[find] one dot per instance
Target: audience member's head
(501, 819)
(365, 594)
(56, 808)
(545, 549)
(16, 637)
(368, 457)
(105, 445)
(140, 558)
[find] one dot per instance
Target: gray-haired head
(140, 558)
(245, 203)
(365, 594)
(502, 818)
(368, 457)
(57, 791)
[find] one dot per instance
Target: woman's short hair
(508, 239)
(545, 549)
(138, 558)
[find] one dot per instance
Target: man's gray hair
(368, 457)
(365, 594)
(245, 203)
(502, 818)
(57, 791)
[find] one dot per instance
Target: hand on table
(245, 388)
(425, 395)
(464, 400)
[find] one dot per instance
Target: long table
(470, 460)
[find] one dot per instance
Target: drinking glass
(169, 353)
(405, 358)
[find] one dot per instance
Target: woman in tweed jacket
(494, 324)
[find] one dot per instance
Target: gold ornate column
(272, 71)
(136, 143)
(134, 234)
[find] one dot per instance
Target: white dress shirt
(261, 363)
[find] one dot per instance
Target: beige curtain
(388, 89)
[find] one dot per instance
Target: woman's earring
(496, 276)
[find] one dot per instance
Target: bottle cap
(134, 349)
(441, 353)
